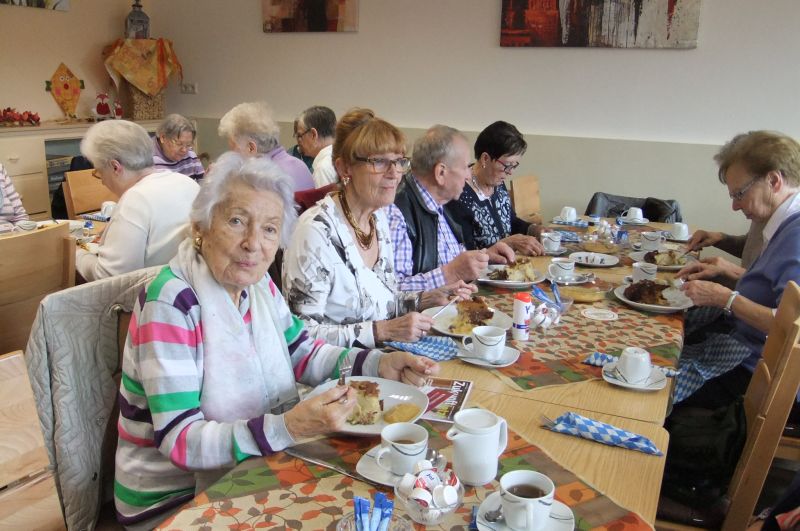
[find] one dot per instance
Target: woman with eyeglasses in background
(338, 272)
(173, 147)
(485, 204)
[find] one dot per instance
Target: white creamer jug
(479, 437)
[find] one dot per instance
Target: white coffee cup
(522, 508)
(487, 342)
(403, 444)
(644, 271)
(107, 208)
(633, 214)
(551, 241)
(634, 365)
(568, 213)
(680, 231)
(479, 437)
(561, 268)
(651, 241)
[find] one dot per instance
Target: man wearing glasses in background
(314, 133)
(173, 147)
(428, 243)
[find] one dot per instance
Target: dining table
(606, 487)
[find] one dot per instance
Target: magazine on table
(446, 397)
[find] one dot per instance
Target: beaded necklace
(364, 239)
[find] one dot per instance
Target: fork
(344, 371)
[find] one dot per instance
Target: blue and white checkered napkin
(96, 217)
(568, 236)
(576, 223)
(574, 424)
(437, 348)
(599, 359)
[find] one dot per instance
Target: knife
(331, 466)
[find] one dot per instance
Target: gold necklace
(364, 239)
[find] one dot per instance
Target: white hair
(257, 172)
(126, 142)
(251, 121)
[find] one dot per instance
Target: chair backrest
(656, 210)
(525, 197)
(32, 264)
(84, 193)
(32, 501)
(767, 404)
(305, 199)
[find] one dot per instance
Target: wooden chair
(84, 193)
(28, 496)
(525, 198)
(767, 404)
(32, 264)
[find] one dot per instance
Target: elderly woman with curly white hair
(251, 131)
(213, 353)
(152, 215)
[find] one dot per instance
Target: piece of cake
(368, 405)
(647, 292)
(471, 313)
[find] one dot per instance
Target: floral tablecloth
(284, 492)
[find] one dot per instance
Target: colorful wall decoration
(58, 5)
(281, 16)
(600, 23)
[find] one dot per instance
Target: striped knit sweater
(164, 437)
(189, 165)
(11, 209)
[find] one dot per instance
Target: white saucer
(558, 252)
(642, 221)
(655, 382)
(599, 314)
(670, 238)
(561, 517)
(559, 219)
(569, 280)
(369, 468)
(510, 356)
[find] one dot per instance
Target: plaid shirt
(447, 247)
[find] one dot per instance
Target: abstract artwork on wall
(281, 16)
(600, 23)
(58, 5)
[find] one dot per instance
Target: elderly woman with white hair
(152, 215)
(173, 147)
(213, 353)
(251, 131)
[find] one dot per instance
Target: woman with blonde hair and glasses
(339, 271)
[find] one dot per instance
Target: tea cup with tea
(526, 497)
(561, 268)
(403, 444)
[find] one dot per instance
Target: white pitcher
(479, 438)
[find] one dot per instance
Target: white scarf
(244, 376)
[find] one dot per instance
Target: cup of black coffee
(527, 497)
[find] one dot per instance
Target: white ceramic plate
(391, 392)
(561, 517)
(510, 284)
(678, 300)
(442, 323)
(638, 256)
(93, 248)
(588, 259)
(510, 356)
(655, 382)
(368, 467)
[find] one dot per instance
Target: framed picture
(58, 5)
(283, 16)
(600, 23)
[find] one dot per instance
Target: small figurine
(102, 108)
(117, 110)
(66, 89)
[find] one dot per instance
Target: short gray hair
(175, 125)
(257, 172)
(126, 142)
(251, 121)
(435, 146)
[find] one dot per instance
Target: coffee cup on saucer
(551, 241)
(561, 268)
(633, 365)
(568, 213)
(403, 444)
(680, 231)
(486, 342)
(651, 241)
(633, 214)
(644, 271)
(526, 497)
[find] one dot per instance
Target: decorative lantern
(137, 24)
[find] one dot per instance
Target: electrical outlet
(188, 88)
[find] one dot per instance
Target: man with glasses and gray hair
(173, 147)
(428, 243)
(314, 132)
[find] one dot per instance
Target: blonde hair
(761, 152)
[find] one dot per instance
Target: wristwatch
(727, 309)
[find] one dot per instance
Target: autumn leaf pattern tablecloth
(283, 492)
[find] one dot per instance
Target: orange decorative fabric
(144, 63)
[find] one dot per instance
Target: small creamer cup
(561, 268)
(651, 241)
(486, 342)
(568, 213)
(680, 231)
(633, 365)
(644, 271)
(403, 444)
(633, 214)
(551, 241)
(526, 513)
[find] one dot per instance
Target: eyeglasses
(298, 136)
(508, 167)
(739, 194)
(96, 175)
(380, 165)
(180, 145)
